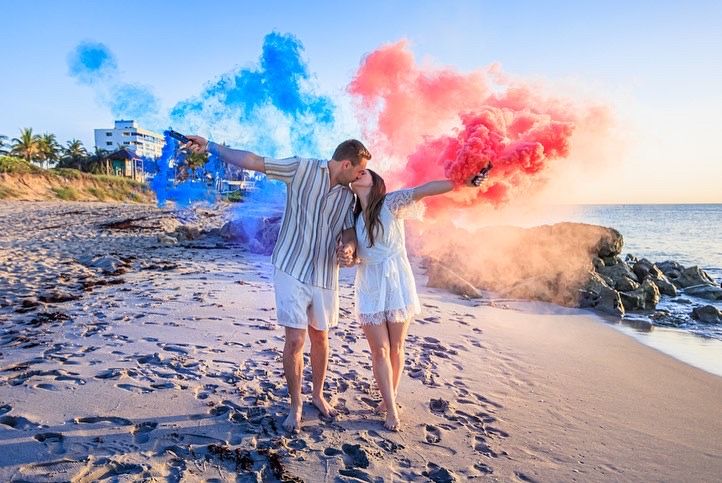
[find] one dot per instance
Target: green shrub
(69, 173)
(12, 164)
(66, 193)
(235, 196)
(99, 193)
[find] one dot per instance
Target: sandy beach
(125, 356)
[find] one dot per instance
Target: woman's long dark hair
(373, 208)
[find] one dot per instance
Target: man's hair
(353, 150)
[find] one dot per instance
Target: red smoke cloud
(435, 123)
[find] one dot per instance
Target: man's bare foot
(292, 424)
(326, 409)
(392, 423)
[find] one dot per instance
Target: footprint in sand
(140, 431)
(112, 373)
(432, 434)
(522, 477)
(439, 474)
(331, 452)
(106, 468)
(357, 454)
(134, 388)
(104, 419)
(53, 441)
(482, 447)
(46, 386)
(61, 470)
(385, 443)
(163, 385)
(19, 422)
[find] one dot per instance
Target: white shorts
(299, 304)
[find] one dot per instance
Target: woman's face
(364, 181)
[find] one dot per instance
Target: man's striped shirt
(314, 218)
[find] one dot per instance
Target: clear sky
(657, 64)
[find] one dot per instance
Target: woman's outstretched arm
(432, 188)
(439, 187)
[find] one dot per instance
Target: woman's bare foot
(326, 409)
(392, 423)
(381, 408)
(292, 424)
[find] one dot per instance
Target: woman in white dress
(385, 291)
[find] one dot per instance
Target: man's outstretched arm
(236, 157)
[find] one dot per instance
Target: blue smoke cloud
(199, 185)
(271, 108)
(130, 101)
(90, 62)
(93, 64)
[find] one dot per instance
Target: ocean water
(690, 234)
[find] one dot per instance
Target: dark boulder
(597, 295)
(707, 314)
(646, 297)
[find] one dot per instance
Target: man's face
(363, 181)
(353, 173)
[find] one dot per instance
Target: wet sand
(153, 360)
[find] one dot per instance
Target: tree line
(45, 150)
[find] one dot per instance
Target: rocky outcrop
(553, 263)
(234, 231)
(685, 277)
(645, 269)
(692, 280)
(705, 291)
(598, 295)
(646, 297)
(707, 314)
(570, 264)
(259, 234)
(622, 276)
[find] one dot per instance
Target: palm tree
(75, 152)
(27, 145)
(97, 162)
(3, 144)
(49, 149)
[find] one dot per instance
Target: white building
(127, 134)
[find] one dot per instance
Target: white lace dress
(385, 287)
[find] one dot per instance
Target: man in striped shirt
(318, 222)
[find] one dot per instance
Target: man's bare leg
(293, 369)
(319, 364)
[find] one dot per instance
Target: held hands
(197, 145)
(345, 255)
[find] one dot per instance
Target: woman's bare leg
(378, 338)
(397, 342)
